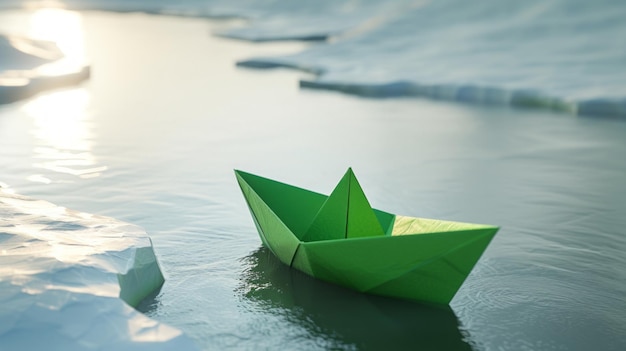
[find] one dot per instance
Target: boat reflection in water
(356, 320)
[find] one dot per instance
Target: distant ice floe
(68, 280)
(561, 55)
(322, 20)
(29, 66)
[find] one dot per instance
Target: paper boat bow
(341, 239)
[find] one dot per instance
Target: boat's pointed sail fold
(345, 214)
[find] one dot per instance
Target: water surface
(153, 138)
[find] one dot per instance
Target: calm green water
(153, 138)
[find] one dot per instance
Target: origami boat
(341, 239)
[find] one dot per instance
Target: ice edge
(68, 280)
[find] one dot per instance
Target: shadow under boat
(365, 321)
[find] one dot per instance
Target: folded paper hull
(416, 259)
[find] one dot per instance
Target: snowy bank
(68, 280)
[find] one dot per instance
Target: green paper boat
(341, 239)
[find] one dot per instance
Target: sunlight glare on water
(61, 125)
(63, 136)
(65, 29)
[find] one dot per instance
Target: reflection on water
(63, 136)
(49, 47)
(65, 29)
(60, 120)
(150, 303)
(346, 319)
